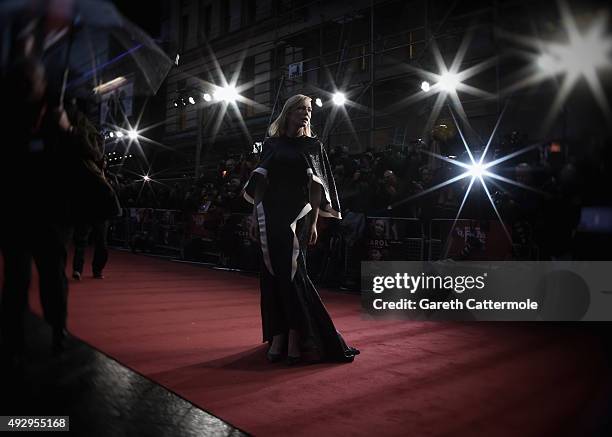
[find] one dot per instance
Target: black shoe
(292, 361)
(98, 275)
(76, 276)
(274, 358)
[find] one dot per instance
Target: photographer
(387, 193)
(357, 194)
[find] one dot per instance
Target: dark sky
(146, 14)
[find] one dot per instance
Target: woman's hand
(312, 239)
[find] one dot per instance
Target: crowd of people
(542, 208)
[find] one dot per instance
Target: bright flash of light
(547, 62)
(319, 102)
(476, 170)
(584, 55)
(111, 134)
(191, 100)
(339, 99)
(226, 94)
(136, 136)
(449, 82)
(146, 178)
(446, 83)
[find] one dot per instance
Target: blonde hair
(279, 126)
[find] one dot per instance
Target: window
(364, 59)
(204, 21)
(277, 60)
(225, 16)
(283, 6)
(247, 78)
(248, 12)
(184, 32)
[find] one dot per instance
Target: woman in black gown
(291, 187)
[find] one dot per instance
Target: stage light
(448, 82)
(227, 94)
(207, 97)
(339, 99)
(176, 103)
(111, 134)
(319, 102)
(119, 134)
(191, 100)
(476, 169)
(425, 86)
(548, 63)
(132, 134)
(146, 178)
(583, 55)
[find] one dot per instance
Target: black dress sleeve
(320, 172)
(262, 169)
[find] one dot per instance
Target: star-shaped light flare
(584, 54)
(447, 82)
(478, 170)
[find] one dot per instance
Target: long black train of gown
(289, 300)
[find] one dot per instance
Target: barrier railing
(377, 239)
(222, 239)
(468, 239)
(236, 249)
(394, 239)
(147, 229)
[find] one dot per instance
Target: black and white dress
(289, 300)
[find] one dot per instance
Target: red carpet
(197, 332)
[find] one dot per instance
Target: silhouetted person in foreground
(36, 181)
(35, 224)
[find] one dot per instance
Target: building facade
(375, 52)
